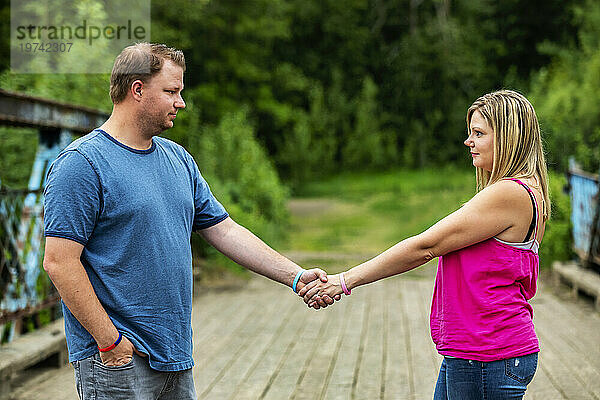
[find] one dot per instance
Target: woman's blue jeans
(461, 379)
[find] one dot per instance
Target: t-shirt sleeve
(72, 198)
(208, 210)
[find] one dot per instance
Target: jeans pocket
(97, 360)
(114, 382)
(521, 369)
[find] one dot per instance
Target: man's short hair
(140, 61)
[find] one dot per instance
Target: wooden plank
(542, 387)
(55, 384)
(369, 377)
(18, 109)
(398, 382)
(32, 348)
(560, 374)
(264, 370)
(229, 341)
(216, 334)
(580, 278)
(556, 322)
(213, 303)
(426, 290)
(423, 375)
(213, 311)
(227, 344)
(572, 322)
(343, 372)
(266, 347)
(290, 374)
(582, 375)
(241, 366)
(313, 380)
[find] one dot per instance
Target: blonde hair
(518, 149)
(140, 61)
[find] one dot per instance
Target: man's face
(162, 99)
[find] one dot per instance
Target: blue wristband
(296, 279)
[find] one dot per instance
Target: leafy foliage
(18, 147)
(557, 242)
(566, 95)
(238, 171)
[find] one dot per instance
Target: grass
(368, 212)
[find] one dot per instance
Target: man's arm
(243, 247)
(63, 265)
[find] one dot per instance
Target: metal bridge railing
(585, 214)
(28, 298)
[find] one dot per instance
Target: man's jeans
(461, 379)
(132, 381)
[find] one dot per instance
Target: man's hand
(120, 355)
(315, 275)
(316, 290)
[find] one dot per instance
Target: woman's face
(481, 142)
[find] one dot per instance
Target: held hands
(319, 289)
(316, 275)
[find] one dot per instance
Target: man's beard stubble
(151, 124)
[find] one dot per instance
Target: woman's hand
(311, 275)
(318, 289)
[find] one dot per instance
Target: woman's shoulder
(505, 189)
(504, 197)
(518, 187)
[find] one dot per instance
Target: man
(120, 206)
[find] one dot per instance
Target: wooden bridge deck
(261, 342)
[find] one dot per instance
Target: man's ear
(137, 89)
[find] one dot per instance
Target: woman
(481, 321)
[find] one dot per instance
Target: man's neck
(120, 127)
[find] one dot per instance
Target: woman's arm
(489, 213)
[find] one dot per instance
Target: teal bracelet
(296, 279)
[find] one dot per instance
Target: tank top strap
(535, 209)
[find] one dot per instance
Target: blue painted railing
(584, 193)
(24, 286)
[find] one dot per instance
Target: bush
(240, 175)
(18, 147)
(231, 154)
(557, 243)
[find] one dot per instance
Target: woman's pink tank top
(480, 308)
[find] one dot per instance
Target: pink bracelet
(344, 288)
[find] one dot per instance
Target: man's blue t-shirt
(134, 211)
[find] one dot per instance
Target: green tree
(566, 97)
(365, 145)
